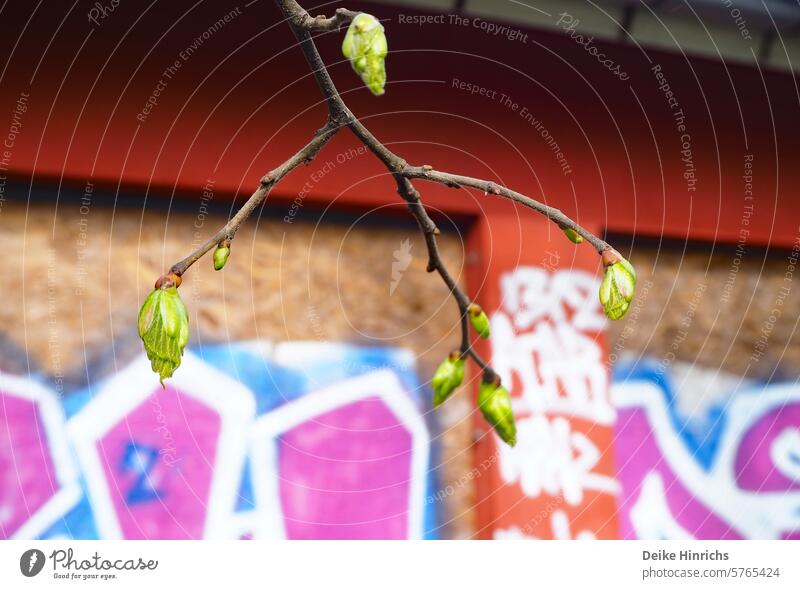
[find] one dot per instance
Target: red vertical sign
(548, 346)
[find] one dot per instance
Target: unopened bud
(221, 256)
(365, 46)
(495, 404)
(572, 235)
(447, 378)
(619, 282)
(164, 329)
(479, 320)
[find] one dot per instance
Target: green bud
(572, 235)
(495, 404)
(164, 329)
(447, 378)
(619, 282)
(479, 320)
(365, 46)
(221, 256)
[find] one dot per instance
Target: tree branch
(298, 19)
(488, 187)
(302, 25)
(305, 156)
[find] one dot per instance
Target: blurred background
(132, 132)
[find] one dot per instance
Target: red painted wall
(244, 101)
(526, 490)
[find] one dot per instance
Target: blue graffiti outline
(701, 434)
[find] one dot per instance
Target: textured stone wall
(734, 310)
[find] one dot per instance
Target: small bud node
(610, 257)
(572, 235)
(448, 376)
(479, 320)
(168, 281)
(221, 254)
(494, 402)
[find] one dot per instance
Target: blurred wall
(353, 286)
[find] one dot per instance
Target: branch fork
(302, 25)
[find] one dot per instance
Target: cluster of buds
(619, 282)
(366, 48)
(164, 321)
(494, 400)
(164, 326)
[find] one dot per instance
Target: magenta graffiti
(768, 460)
(196, 460)
(159, 470)
(346, 474)
(164, 463)
(658, 493)
(348, 461)
(674, 485)
(38, 480)
(27, 475)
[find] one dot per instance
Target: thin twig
(321, 23)
(489, 187)
(305, 156)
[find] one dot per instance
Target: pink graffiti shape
(345, 474)
(159, 463)
(27, 476)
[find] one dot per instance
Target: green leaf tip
(447, 378)
(618, 285)
(366, 47)
(494, 401)
(164, 328)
